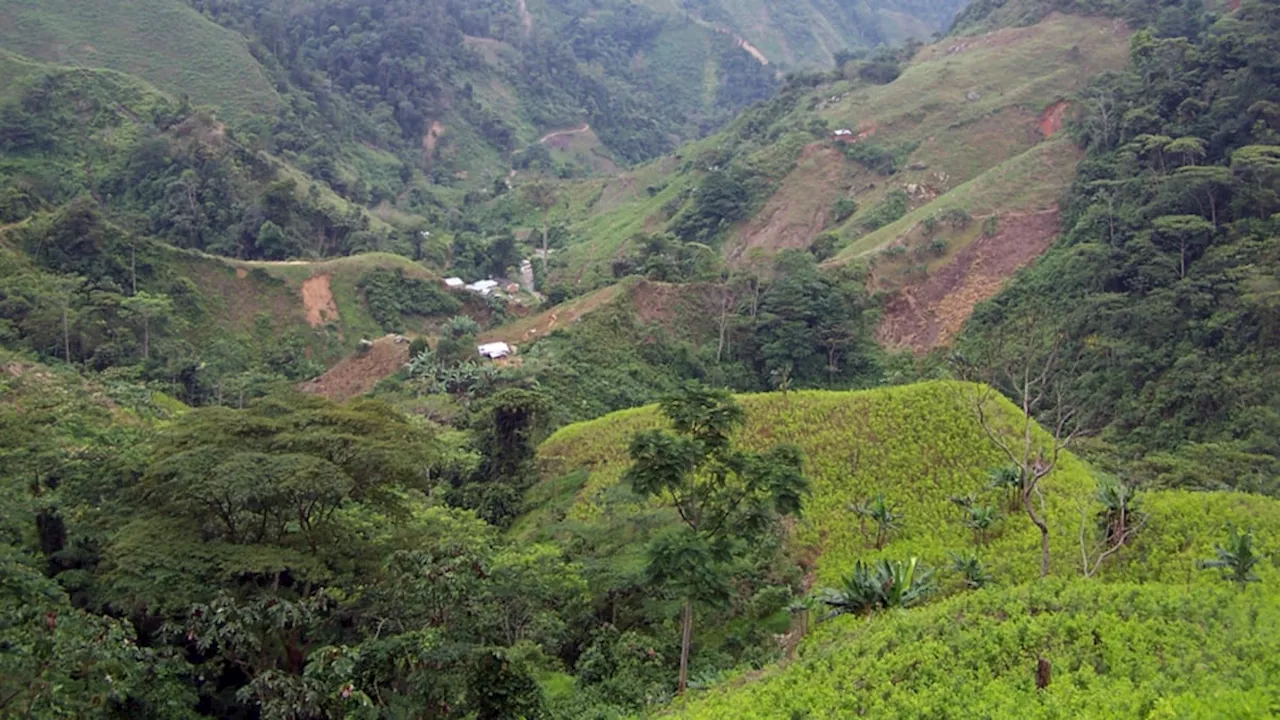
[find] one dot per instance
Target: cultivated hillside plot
(164, 42)
(1150, 633)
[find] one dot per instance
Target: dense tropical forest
(876, 359)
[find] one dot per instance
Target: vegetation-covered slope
(959, 125)
(921, 447)
(168, 44)
(1162, 293)
(1115, 650)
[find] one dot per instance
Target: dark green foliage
(1163, 284)
(812, 327)
(884, 514)
(391, 296)
(843, 208)
(61, 661)
(279, 561)
(885, 160)
(666, 258)
(723, 497)
(722, 199)
(891, 209)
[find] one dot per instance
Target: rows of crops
(1152, 634)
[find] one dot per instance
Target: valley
(569, 359)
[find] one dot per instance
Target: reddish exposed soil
(318, 300)
(926, 314)
(797, 212)
(1053, 118)
(359, 373)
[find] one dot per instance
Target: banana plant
(1236, 559)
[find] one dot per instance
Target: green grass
(1033, 180)
(165, 42)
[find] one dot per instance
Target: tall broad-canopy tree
(281, 561)
(724, 497)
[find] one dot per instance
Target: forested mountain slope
(1161, 296)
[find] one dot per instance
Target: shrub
(883, 585)
(844, 207)
(390, 296)
(891, 209)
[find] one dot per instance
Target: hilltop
(920, 447)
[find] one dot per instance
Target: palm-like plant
(972, 571)
(980, 519)
(886, 584)
(1236, 559)
(1008, 480)
(883, 513)
(1120, 505)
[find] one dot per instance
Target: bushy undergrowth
(1106, 650)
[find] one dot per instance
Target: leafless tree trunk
(686, 640)
(1036, 382)
(66, 331)
(1116, 538)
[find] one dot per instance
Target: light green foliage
(918, 445)
(1122, 650)
(884, 585)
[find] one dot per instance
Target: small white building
(494, 350)
(454, 282)
(843, 132)
(484, 287)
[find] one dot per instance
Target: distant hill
(900, 173)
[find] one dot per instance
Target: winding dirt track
(564, 133)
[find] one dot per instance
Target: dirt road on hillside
(564, 133)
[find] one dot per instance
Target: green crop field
(919, 445)
(1151, 634)
(1118, 650)
(164, 42)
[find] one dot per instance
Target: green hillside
(1115, 650)
(164, 42)
(961, 125)
(921, 446)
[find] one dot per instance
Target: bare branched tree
(1032, 366)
